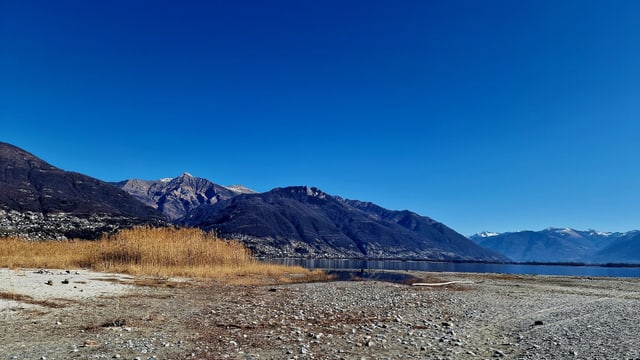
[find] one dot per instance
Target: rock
(498, 353)
(90, 343)
(538, 323)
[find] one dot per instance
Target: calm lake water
(342, 264)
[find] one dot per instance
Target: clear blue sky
(485, 115)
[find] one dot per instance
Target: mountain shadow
(304, 221)
(42, 201)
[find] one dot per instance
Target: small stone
(90, 343)
(538, 323)
(49, 282)
(65, 281)
(498, 353)
(116, 356)
(304, 350)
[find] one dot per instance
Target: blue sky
(485, 115)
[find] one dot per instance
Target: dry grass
(29, 300)
(159, 252)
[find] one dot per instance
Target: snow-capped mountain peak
(599, 233)
(486, 234)
(240, 189)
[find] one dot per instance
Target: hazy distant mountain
(304, 221)
(40, 200)
(175, 197)
(564, 245)
(622, 248)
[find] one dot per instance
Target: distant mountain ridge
(176, 197)
(43, 201)
(564, 245)
(305, 221)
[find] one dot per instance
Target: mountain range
(302, 220)
(564, 245)
(40, 201)
(176, 197)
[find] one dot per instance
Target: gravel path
(487, 316)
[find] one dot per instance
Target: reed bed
(161, 252)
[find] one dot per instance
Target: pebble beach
(455, 316)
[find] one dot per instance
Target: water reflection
(357, 265)
(361, 275)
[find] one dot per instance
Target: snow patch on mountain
(240, 189)
(485, 234)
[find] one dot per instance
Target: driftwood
(443, 283)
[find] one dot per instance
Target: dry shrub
(164, 252)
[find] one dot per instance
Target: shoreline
(477, 316)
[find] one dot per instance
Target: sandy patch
(32, 287)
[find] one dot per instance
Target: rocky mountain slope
(39, 200)
(304, 221)
(564, 245)
(175, 197)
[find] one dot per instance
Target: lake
(565, 270)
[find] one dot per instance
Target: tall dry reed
(160, 248)
(150, 251)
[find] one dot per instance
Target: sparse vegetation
(29, 300)
(161, 252)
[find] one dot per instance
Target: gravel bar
(478, 316)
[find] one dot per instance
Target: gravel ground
(486, 316)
